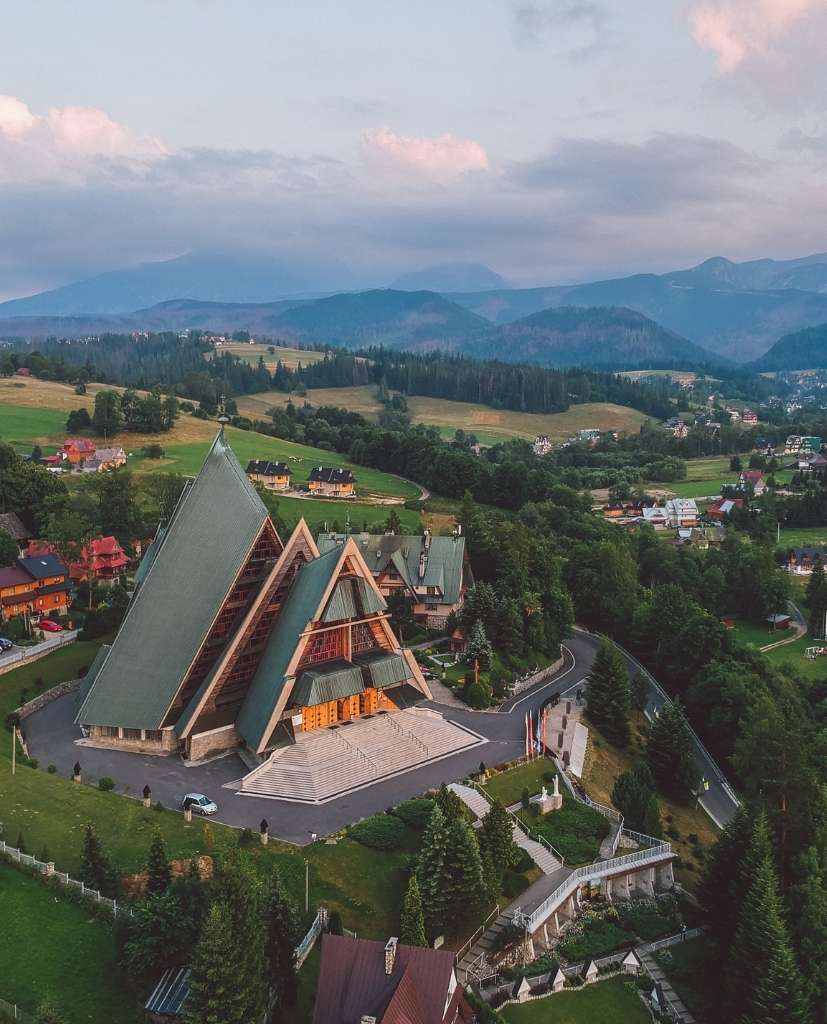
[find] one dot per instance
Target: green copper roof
(331, 681)
(202, 550)
(351, 599)
(91, 674)
(383, 669)
(306, 593)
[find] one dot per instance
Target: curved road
(51, 736)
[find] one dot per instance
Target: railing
(356, 750)
(521, 825)
(26, 654)
(408, 735)
(673, 940)
(13, 1012)
(48, 871)
(309, 941)
(495, 913)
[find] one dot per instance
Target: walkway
(800, 630)
(658, 975)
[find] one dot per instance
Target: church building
(234, 637)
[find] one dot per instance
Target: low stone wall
(216, 741)
(42, 699)
(539, 677)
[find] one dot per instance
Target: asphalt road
(53, 739)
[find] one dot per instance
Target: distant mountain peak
(450, 277)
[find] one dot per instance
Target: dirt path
(800, 630)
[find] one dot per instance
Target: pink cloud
(441, 156)
(737, 30)
(15, 117)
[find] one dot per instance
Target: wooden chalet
(102, 560)
(802, 561)
(104, 459)
(434, 572)
(273, 476)
(37, 585)
(77, 450)
(273, 638)
(752, 480)
(387, 983)
(331, 482)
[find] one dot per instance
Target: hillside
(611, 338)
(450, 277)
(803, 350)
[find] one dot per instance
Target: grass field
(357, 399)
(53, 949)
(758, 634)
(803, 537)
(793, 656)
(606, 1002)
(290, 357)
(686, 965)
(507, 787)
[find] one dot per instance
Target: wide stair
(324, 763)
(480, 805)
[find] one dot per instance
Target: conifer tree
(817, 598)
(449, 803)
(652, 825)
(158, 870)
(216, 993)
(490, 876)
(462, 877)
(632, 793)
(96, 870)
(496, 836)
(808, 916)
(283, 934)
(671, 755)
(722, 886)
(412, 924)
(608, 697)
(766, 986)
(479, 647)
(430, 871)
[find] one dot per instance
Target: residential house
(808, 462)
(677, 427)
(104, 459)
(76, 451)
(362, 980)
(752, 480)
(331, 482)
(614, 510)
(273, 476)
(797, 443)
(14, 526)
(434, 572)
(236, 638)
(53, 463)
(801, 561)
(749, 418)
(724, 507)
(103, 560)
(656, 516)
(682, 512)
(542, 445)
(37, 585)
(588, 436)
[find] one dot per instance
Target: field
(708, 476)
(758, 634)
(507, 787)
(674, 374)
(53, 949)
(803, 537)
(290, 357)
(358, 399)
(606, 1002)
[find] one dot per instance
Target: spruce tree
(766, 986)
(817, 598)
(283, 934)
(496, 836)
(412, 923)
(479, 647)
(462, 871)
(216, 993)
(808, 915)
(670, 754)
(632, 793)
(430, 871)
(450, 804)
(158, 870)
(722, 887)
(96, 870)
(491, 878)
(608, 697)
(238, 887)
(652, 825)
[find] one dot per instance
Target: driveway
(54, 739)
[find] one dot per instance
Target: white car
(199, 803)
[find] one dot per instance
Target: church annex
(236, 638)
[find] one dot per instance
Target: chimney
(390, 954)
(426, 536)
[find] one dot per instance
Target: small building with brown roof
(360, 979)
(14, 526)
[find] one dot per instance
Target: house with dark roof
(37, 585)
(273, 476)
(387, 983)
(434, 572)
(802, 561)
(13, 525)
(102, 560)
(272, 638)
(331, 482)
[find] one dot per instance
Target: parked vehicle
(5, 644)
(50, 626)
(199, 803)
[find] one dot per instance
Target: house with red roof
(77, 450)
(724, 507)
(103, 560)
(752, 480)
(362, 980)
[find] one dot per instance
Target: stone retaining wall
(538, 677)
(42, 699)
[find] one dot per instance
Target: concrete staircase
(326, 762)
(479, 805)
(682, 1015)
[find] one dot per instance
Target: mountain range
(733, 311)
(803, 350)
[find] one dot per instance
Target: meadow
(606, 1002)
(289, 357)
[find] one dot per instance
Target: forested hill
(803, 350)
(609, 338)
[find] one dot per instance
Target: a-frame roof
(196, 562)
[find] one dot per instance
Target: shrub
(595, 938)
(693, 838)
(105, 784)
(334, 923)
(159, 807)
(524, 863)
(415, 813)
(245, 837)
(514, 882)
(380, 832)
(549, 776)
(673, 833)
(478, 696)
(51, 769)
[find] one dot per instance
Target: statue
(544, 794)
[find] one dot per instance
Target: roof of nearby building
(799, 553)
(401, 553)
(14, 526)
(79, 444)
(168, 996)
(752, 476)
(196, 561)
(12, 576)
(353, 983)
(41, 566)
(682, 506)
(331, 475)
(264, 467)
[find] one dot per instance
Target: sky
(552, 140)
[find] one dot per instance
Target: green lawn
(686, 967)
(507, 787)
(803, 537)
(793, 655)
(65, 663)
(575, 831)
(22, 425)
(758, 634)
(317, 512)
(607, 1002)
(54, 949)
(187, 458)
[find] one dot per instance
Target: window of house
(132, 734)
(361, 638)
(323, 647)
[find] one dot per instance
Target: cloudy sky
(554, 140)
